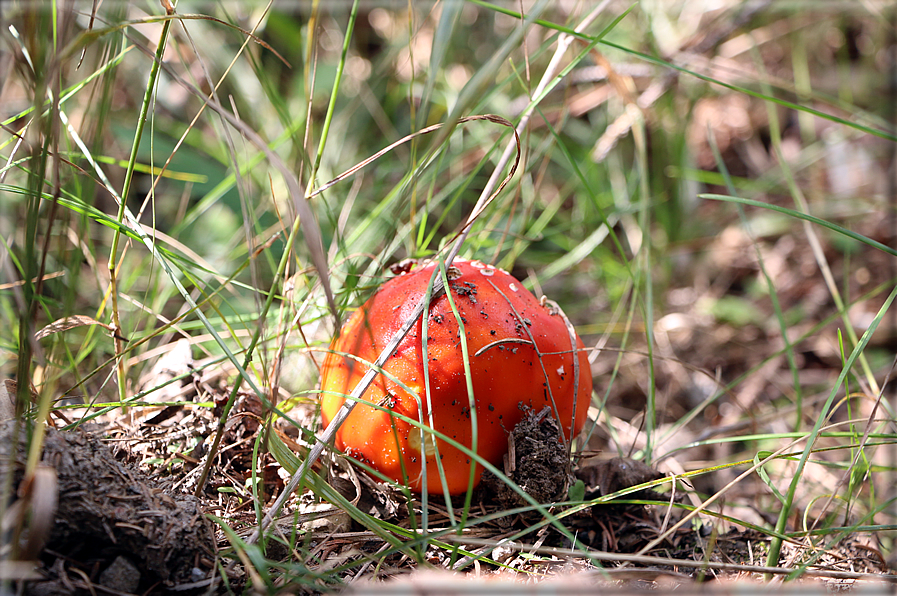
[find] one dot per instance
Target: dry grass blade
(554, 66)
(20, 283)
(402, 141)
(70, 322)
(499, 342)
(571, 332)
(663, 561)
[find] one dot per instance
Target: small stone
(121, 576)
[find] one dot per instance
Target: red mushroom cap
(501, 321)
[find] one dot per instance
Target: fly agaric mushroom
(501, 321)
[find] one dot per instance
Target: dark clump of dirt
(536, 461)
(615, 474)
(114, 529)
(612, 526)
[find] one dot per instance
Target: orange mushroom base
(501, 322)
